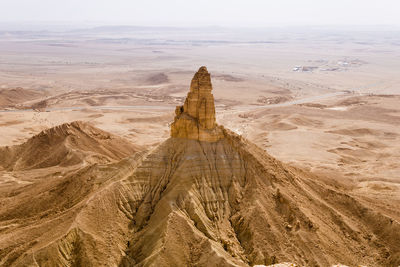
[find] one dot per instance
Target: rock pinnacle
(196, 118)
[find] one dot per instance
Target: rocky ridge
(66, 145)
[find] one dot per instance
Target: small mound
(273, 100)
(158, 78)
(352, 101)
(228, 78)
(355, 132)
(14, 96)
(281, 126)
(66, 145)
(304, 121)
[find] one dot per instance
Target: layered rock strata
(196, 118)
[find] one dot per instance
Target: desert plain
(323, 100)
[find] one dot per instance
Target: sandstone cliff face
(196, 118)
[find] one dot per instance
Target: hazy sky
(204, 12)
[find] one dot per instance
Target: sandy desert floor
(328, 102)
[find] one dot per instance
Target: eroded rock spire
(196, 118)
